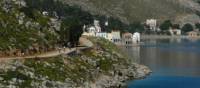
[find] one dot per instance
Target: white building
(175, 31)
(110, 37)
(88, 34)
(116, 37)
(92, 30)
(130, 39)
(192, 34)
(136, 37)
(102, 34)
(95, 30)
(152, 23)
(97, 26)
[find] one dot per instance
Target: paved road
(83, 42)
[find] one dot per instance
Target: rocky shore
(101, 66)
(119, 79)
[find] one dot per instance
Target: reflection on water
(173, 61)
(133, 53)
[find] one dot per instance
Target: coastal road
(83, 42)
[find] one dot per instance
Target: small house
(192, 34)
(127, 38)
(175, 31)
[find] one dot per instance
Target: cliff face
(138, 10)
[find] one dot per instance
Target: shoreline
(168, 37)
(101, 66)
(121, 75)
(120, 80)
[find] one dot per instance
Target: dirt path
(83, 41)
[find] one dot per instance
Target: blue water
(160, 81)
(175, 64)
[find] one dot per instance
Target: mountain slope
(137, 10)
(25, 30)
(18, 31)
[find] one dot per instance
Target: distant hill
(139, 10)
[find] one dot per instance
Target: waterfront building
(136, 37)
(192, 34)
(175, 31)
(116, 37)
(110, 37)
(127, 39)
(102, 35)
(107, 36)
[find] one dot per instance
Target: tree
(187, 28)
(29, 12)
(197, 25)
(166, 25)
(136, 27)
(176, 26)
(71, 31)
(116, 24)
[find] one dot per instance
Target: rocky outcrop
(120, 77)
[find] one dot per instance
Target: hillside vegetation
(24, 29)
(101, 66)
(135, 10)
(18, 31)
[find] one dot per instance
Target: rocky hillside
(25, 33)
(101, 66)
(139, 10)
(32, 27)
(29, 27)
